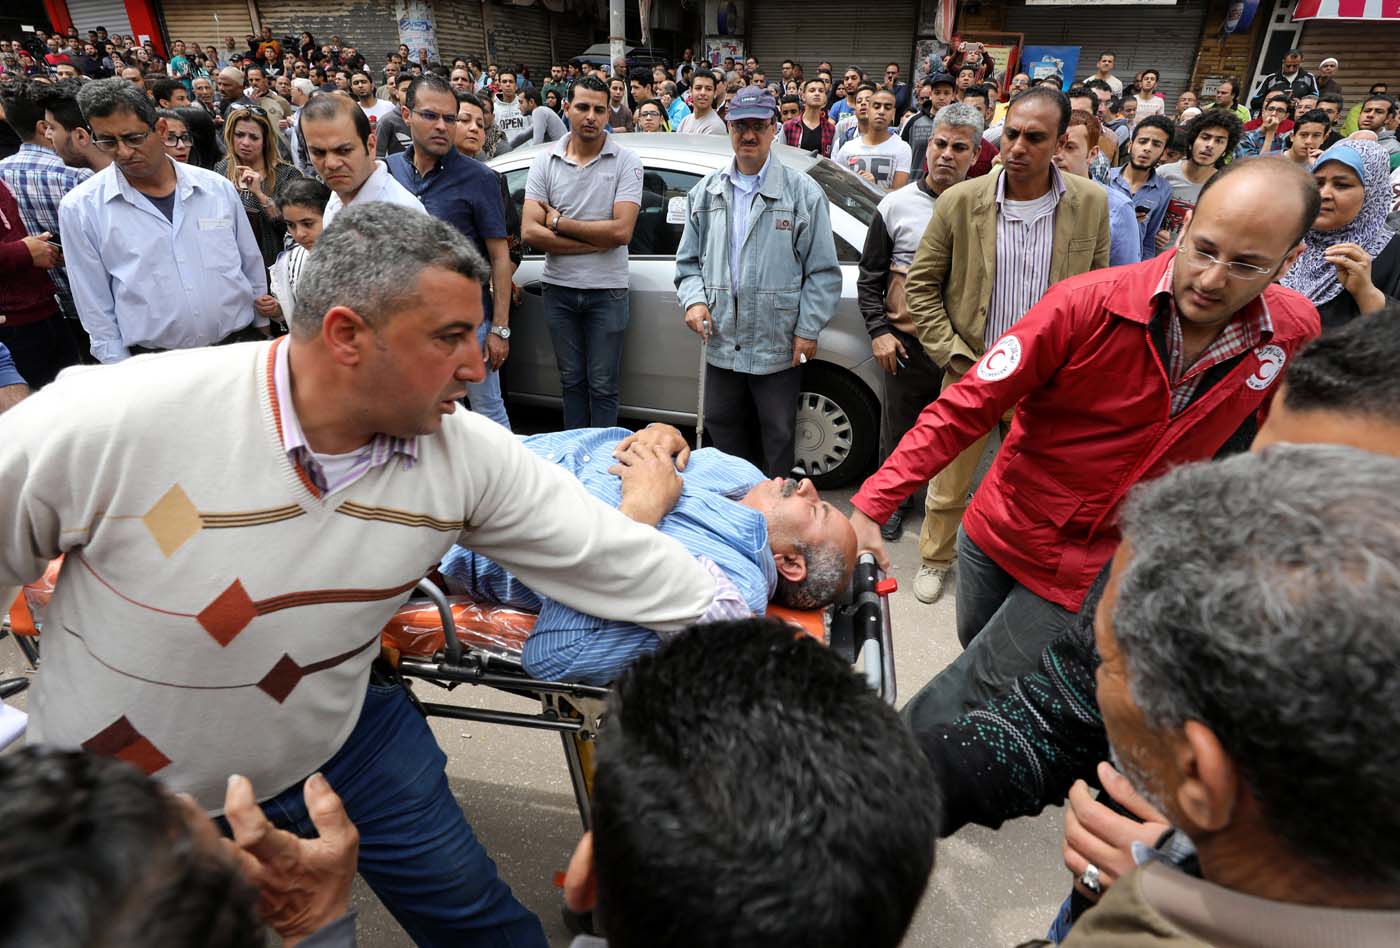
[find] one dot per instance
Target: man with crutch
(757, 278)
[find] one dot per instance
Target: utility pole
(617, 33)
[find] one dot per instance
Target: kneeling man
(762, 538)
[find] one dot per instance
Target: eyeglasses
(130, 140)
(432, 118)
(1200, 260)
(649, 113)
(173, 140)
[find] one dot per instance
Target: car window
(845, 253)
(845, 190)
(654, 234)
(658, 231)
(515, 184)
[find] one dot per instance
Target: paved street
(988, 889)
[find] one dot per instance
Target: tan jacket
(950, 281)
(1158, 907)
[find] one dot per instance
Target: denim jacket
(791, 280)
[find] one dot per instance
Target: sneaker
(892, 529)
(928, 585)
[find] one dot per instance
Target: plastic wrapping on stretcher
(416, 629)
(27, 611)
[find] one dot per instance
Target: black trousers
(248, 333)
(754, 416)
(907, 393)
(41, 350)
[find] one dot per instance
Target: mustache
(789, 487)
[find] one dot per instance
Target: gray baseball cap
(751, 102)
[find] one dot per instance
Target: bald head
(1268, 181)
(232, 74)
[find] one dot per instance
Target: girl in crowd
(178, 140)
(252, 163)
(1351, 266)
(207, 147)
(302, 204)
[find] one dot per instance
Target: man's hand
(1096, 834)
(1164, 237)
(868, 539)
(267, 305)
(889, 352)
(497, 351)
(658, 435)
(650, 484)
(303, 884)
(44, 254)
(803, 350)
(697, 317)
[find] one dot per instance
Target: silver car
(838, 420)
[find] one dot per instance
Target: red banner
(1347, 10)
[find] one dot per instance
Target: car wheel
(838, 425)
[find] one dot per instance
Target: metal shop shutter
(459, 31)
(207, 22)
(1368, 53)
(371, 26)
(572, 35)
(522, 36)
(819, 30)
(90, 14)
(1164, 38)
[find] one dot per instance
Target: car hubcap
(824, 433)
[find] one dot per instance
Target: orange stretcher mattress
(416, 628)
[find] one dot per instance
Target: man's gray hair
(101, 98)
(1262, 599)
(828, 572)
(962, 115)
(369, 260)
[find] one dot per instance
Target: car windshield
(845, 190)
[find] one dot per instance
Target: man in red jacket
(1116, 376)
(30, 324)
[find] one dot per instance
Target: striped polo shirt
(1025, 243)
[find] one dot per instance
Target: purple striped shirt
(1025, 243)
(344, 469)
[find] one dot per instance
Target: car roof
(712, 150)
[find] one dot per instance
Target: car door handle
(534, 288)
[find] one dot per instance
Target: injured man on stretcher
(763, 539)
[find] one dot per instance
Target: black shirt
(811, 137)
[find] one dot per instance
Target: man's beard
(1141, 783)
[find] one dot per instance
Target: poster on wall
(928, 58)
(1041, 61)
(724, 17)
(718, 47)
(1003, 58)
(1239, 17)
(416, 28)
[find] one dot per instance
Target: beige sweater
(214, 615)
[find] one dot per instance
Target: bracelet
(554, 225)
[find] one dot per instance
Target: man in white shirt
(362, 88)
(148, 242)
(702, 120)
(510, 117)
(341, 145)
(879, 157)
(1105, 72)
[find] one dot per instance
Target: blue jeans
(416, 850)
(484, 397)
(587, 327)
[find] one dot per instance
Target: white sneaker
(928, 585)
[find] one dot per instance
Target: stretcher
(449, 641)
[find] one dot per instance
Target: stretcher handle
(452, 647)
(873, 628)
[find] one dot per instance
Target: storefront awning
(1347, 10)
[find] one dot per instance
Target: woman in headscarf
(1351, 264)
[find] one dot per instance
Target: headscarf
(1311, 274)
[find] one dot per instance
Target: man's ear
(1289, 260)
(343, 332)
(1210, 784)
(580, 882)
(791, 566)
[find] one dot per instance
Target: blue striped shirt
(707, 520)
(39, 179)
(1025, 243)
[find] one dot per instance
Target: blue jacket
(791, 281)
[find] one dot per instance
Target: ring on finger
(1089, 879)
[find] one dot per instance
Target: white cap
(1330, 59)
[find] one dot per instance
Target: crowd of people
(1175, 325)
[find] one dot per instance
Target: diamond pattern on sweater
(121, 740)
(282, 679)
(173, 520)
(229, 614)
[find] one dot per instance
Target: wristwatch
(502, 331)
